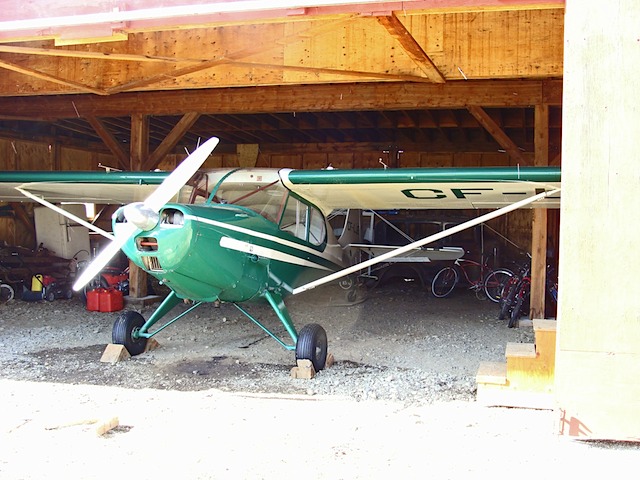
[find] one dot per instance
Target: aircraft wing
(424, 188)
(416, 255)
(85, 187)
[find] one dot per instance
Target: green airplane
(257, 234)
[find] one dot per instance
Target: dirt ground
(216, 399)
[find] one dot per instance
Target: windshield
(261, 191)
(257, 189)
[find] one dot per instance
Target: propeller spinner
(144, 215)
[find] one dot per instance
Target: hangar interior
(352, 84)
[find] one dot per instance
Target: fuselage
(254, 237)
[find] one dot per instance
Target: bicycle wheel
(508, 296)
(444, 282)
(6, 292)
(519, 308)
(495, 282)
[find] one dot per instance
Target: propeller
(144, 215)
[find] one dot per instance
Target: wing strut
(419, 243)
(63, 212)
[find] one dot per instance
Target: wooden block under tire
(152, 344)
(114, 353)
(304, 370)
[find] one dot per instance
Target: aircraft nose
(141, 216)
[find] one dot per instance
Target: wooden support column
(139, 148)
(539, 224)
(139, 153)
(598, 350)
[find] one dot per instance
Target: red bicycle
(482, 279)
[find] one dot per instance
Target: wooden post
(598, 352)
(539, 224)
(139, 153)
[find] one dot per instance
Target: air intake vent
(152, 263)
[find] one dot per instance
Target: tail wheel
(125, 330)
(444, 282)
(312, 345)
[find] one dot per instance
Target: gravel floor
(395, 343)
(216, 399)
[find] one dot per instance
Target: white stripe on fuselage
(246, 247)
(264, 236)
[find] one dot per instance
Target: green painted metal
(113, 178)
(279, 307)
(265, 329)
(170, 301)
(425, 175)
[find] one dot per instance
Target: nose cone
(141, 216)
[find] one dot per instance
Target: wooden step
(494, 373)
(520, 350)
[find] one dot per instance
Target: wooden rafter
(110, 141)
(171, 140)
(498, 134)
(403, 36)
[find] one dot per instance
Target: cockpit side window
(303, 221)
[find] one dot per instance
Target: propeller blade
(180, 176)
(105, 256)
(154, 202)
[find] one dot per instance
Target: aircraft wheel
(126, 325)
(312, 345)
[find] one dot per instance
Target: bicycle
(517, 292)
(488, 284)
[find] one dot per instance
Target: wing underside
(424, 188)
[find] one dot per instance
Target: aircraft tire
(123, 328)
(312, 345)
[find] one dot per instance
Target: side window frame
(306, 222)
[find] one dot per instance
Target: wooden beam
(110, 141)
(598, 353)
(139, 153)
(171, 140)
(24, 217)
(310, 98)
(539, 224)
(59, 52)
(496, 132)
(50, 78)
(264, 46)
(359, 74)
(397, 30)
(139, 141)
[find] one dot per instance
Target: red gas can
(93, 300)
(110, 300)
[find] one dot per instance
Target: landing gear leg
(310, 343)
